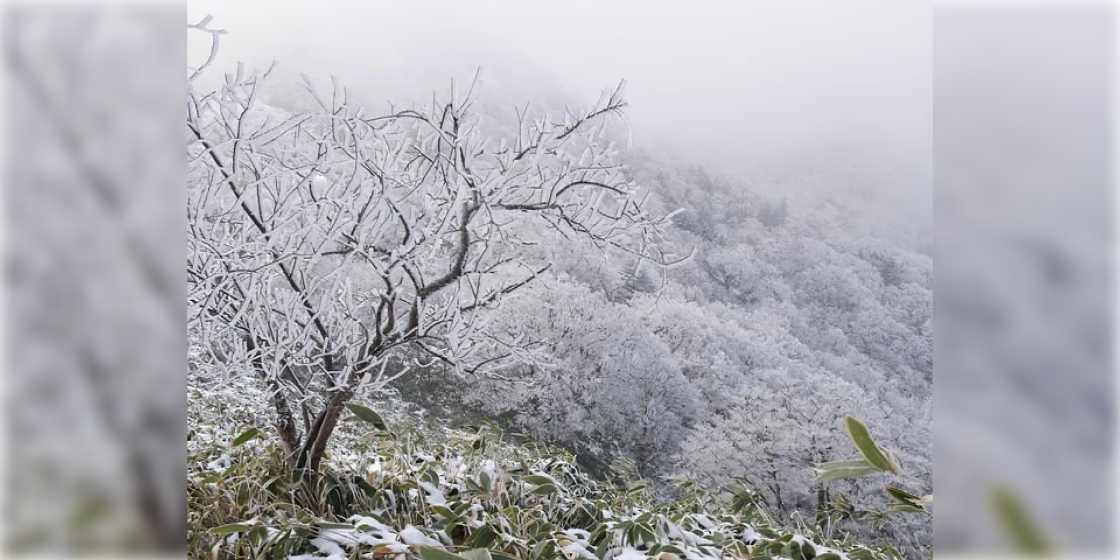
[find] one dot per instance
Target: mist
(740, 87)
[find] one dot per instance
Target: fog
(737, 86)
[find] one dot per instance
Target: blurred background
(1024, 155)
(94, 373)
(1023, 159)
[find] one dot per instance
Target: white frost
(435, 497)
(413, 537)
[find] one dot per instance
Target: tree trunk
(311, 455)
(776, 489)
(286, 426)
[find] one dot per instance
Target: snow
(435, 497)
(328, 547)
(675, 532)
(414, 537)
(820, 548)
(575, 550)
(749, 534)
(220, 464)
(361, 521)
(375, 467)
(630, 554)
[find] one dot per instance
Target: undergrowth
(472, 493)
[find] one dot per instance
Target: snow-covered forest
(372, 284)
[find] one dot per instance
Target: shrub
(470, 494)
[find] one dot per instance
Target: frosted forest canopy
(525, 265)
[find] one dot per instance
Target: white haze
(742, 87)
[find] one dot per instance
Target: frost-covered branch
(322, 242)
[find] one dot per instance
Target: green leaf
(837, 470)
(230, 529)
(445, 512)
(828, 556)
(794, 551)
(1024, 535)
(538, 479)
(477, 554)
(808, 551)
(245, 437)
(851, 464)
(368, 415)
(483, 536)
(861, 554)
(544, 490)
(902, 495)
(905, 508)
(429, 553)
(862, 438)
(210, 478)
(893, 460)
(366, 487)
(905, 498)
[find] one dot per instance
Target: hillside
(525, 268)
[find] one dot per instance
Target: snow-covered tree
(598, 381)
(321, 243)
(783, 421)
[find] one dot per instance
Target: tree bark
(311, 455)
(286, 426)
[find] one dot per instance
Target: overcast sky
(733, 83)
